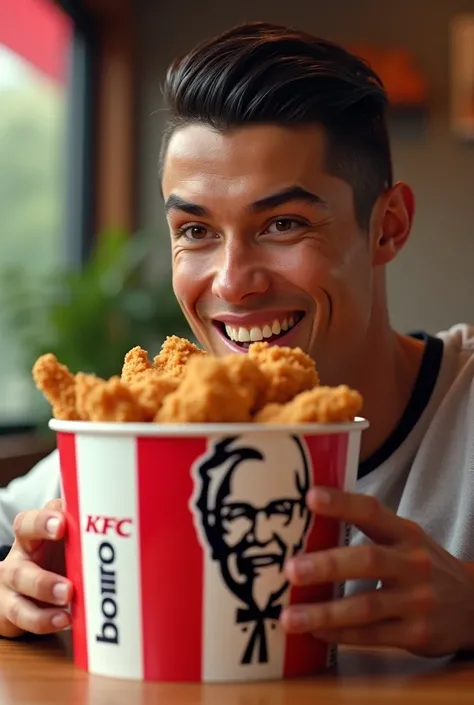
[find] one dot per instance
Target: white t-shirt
(424, 471)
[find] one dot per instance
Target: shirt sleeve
(31, 491)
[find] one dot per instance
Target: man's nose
(262, 529)
(239, 273)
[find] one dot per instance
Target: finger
(27, 578)
(413, 636)
(358, 611)
(35, 526)
(56, 505)
(28, 617)
(358, 562)
(364, 511)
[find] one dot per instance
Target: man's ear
(391, 222)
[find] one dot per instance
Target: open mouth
(243, 336)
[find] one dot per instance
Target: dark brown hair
(266, 73)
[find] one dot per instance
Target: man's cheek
(291, 533)
(236, 531)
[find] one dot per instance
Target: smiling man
(283, 213)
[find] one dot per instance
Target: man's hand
(28, 590)
(426, 600)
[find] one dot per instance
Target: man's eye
(283, 506)
(236, 511)
(284, 225)
(193, 233)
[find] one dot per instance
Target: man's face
(266, 243)
(263, 517)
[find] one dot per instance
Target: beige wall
(437, 267)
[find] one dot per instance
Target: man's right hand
(33, 590)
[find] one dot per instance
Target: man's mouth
(259, 561)
(271, 331)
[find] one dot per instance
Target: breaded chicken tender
(184, 384)
(58, 386)
(209, 393)
(175, 355)
(318, 405)
(288, 371)
(136, 362)
(150, 389)
(106, 400)
(247, 375)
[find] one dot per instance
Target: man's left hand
(425, 603)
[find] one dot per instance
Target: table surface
(40, 670)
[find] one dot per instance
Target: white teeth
(251, 335)
(243, 335)
(276, 328)
(256, 334)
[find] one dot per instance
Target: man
(283, 214)
(252, 529)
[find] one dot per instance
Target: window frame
(80, 134)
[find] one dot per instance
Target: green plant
(89, 317)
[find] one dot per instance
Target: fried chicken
(318, 405)
(106, 400)
(150, 389)
(136, 362)
(186, 385)
(211, 392)
(288, 371)
(175, 355)
(58, 386)
(245, 373)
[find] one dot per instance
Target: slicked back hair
(261, 73)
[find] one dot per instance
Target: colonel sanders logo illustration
(250, 508)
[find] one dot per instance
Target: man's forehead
(257, 158)
(278, 474)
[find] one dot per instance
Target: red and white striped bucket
(176, 541)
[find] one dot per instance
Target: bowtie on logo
(258, 638)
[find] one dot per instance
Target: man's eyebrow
(279, 198)
(292, 193)
(176, 203)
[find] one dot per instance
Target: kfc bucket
(176, 540)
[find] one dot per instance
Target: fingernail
(60, 620)
(52, 526)
(303, 567)
(297, 618)
(60, 592)
(320, 495)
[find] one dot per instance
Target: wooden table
(40, 671)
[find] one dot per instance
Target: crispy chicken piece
(111, 400)
(136, 362)
(288, 371)
(209, 392)
(318, 405)
(175, 355)
(247, 375)
(150, 390)
(58, 386)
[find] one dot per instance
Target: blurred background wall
(432, 282)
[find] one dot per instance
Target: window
(40, 185)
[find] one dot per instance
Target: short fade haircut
(262, 73)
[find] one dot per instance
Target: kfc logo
(250, 509)
(108, 525)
